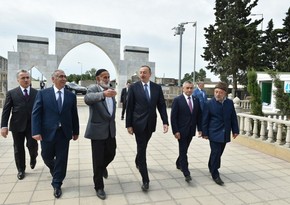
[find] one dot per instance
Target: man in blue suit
(219, 120)
(185, 116)
(200, 94)
(144, 97)
(55, 122)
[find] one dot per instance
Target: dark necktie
(146, 92)
(59, 101)
(189, 104)
(26, 94)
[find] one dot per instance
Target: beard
(105, 85)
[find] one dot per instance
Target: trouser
(55, 157)
(182, 160)
(140, 160)
(103, 153)
(123, 109)
(214, 162)
(19, 149)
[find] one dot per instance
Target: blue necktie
(59, 101)
(146, 92)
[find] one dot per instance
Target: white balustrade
(273, 130)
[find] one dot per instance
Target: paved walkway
(250, 177)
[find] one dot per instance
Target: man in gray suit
(18, 105)
(101, 127)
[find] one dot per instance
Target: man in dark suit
(20, 101)
(144, 97)
(185, 116)
(55, 122)
(219, 120)
(200, 94)
(101, 127)
(123, 99)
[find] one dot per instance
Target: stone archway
(33, 51)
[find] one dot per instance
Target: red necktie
(189, 104)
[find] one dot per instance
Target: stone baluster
(279, 134)
(268, 123)
(242, 129)
(270, 132)
(255, 130)
(287, 144)
(275, 124)
(263, 130)
(248, 127)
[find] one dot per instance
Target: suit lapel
(53, 99)
(185, 103)
(20, 94)
(104, 102)
(142, 91)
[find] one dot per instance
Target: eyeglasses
(61, 76)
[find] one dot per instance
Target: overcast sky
(145, 23)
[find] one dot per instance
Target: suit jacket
(140, 113)
(21, 109)
(182, 120)
(46, 116)
(124, 95)
(101, 124)
(201, 96)
(219, 120)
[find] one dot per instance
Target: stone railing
(265, 128)
(245, 104)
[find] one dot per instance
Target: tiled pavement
(250, 177)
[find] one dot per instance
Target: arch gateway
(33, 52)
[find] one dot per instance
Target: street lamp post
(179, 31)
(194, 60)
(81, 70)
(261, 21)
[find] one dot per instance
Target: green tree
(269, 48)
(284, 40)
(282, 98)
(232, 42)
(199, 76)
(255, 92)
(91, 73)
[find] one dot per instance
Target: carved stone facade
(33, 52)
(3, 79)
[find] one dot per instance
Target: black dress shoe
(32, 163)
(21, 175)
(105, 173)
(218, 181)
(188, 178)
(145, 186)
(101, 194)
(57, 192)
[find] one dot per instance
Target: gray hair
(54, 74)
(21, 71)
(186, 82)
